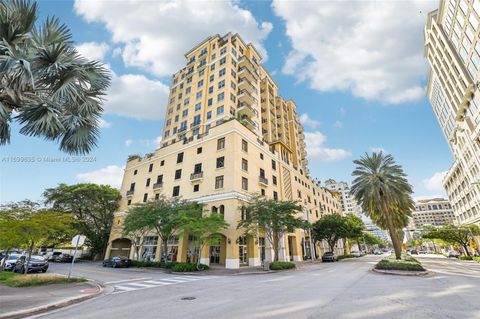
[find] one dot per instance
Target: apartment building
(432, 212)
(227, 135)
(452, 48)
(349, 204)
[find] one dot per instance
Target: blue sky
(355, 69)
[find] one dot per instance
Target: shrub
(147, 263)
(465, 257)
(186, 267)
(281, 265)
(345, 257)
(392, 264)
(477, 259)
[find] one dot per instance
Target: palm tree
(45, 85)
(382, 189)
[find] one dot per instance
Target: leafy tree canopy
(461, 235)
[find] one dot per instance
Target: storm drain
(188, 298)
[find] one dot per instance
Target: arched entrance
(121, 247)
(217, 249)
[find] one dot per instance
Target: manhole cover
(189, 298)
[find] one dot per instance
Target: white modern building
(349, 204)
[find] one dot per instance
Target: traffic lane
(95, 271)
(451, 266)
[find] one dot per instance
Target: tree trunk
(393, 234)
(30, 248)
(465, 247)
(344, 246)
(165, 250)
(275, 244)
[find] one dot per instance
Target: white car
(356, 254)
(8, 264)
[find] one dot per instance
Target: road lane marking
(126, 280)
(125, 288)
(140, 284)
(157, 282)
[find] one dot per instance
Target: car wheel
(104, 265)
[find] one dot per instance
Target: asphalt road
(347, 289)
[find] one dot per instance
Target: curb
(55, 306)
(404, 273)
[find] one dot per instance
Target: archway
(121, 247)
(217, 249)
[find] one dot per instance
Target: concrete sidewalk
(20, 302)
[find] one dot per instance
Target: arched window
(222, 210)
(214, 210)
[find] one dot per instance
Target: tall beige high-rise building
(452, 47)
(227, 135)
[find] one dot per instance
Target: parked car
(54, 256)
(117, 261)
(453, 254)
(377, 252)
(329, 256)
(8, 263)
(64, 258)
(356, 253)
(36, 264)
(414, 252)
(422, 252)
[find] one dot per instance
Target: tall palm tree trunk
(393, 235)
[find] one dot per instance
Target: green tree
(330, 228)
(92, 206)
(461, 235)
(55, 93)
(381, 186)
(371, 240)
(272, 217)
(32, 225)
(354, 228)
(163, 216)
(203, 227)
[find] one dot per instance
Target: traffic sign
(78, 240)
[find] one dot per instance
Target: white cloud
(338, 124)
(306, 120)
(316, 149)
(93, 50)
(434, 183)
(128, 142)
(134, 95)
(110, 175)
(373, 49)
(377, 149)
(152, 142)
(155, 34)
(104, 124)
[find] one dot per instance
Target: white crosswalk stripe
(153, 283)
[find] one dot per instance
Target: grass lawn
(407, 263)
(12, 279)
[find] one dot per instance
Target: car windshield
(13, 257)
(37, 258)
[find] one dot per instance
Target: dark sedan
(64, 258)
(116, 262)
(329, 256)
(36, 264)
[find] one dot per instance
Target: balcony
(194, 124)
(245, 62)
(244, 72)
(262, 180)
(244, 108)
(196, 176)
(245, 84)
(245, 97)
(130, 192)
(250, 124)
(157, 185)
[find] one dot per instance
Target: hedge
(281, 265)
(465, 257)
(407, 263)
(186, 267)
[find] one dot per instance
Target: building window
(176, 191)
(274, 165)
(262, 172)
(150, 167)
(221, 162)
(221, 143)
(263, 192)
(179, 158)
(220, 110)
(162, 163)
(148, 182)
(275, 195)
(244, 183)
(135, 172)
(197, 168)
(222, 210)
(145, 197)
(159, 179)
(261, 156)
(196, 188)
(244, 146)
(129, 202)
(132, 186)
(199, 150)
(157, 196)
(274, 179)
(209, 115)
(219, 182)
(244, 165)
(178, 174)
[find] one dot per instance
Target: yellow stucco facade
(227, 135)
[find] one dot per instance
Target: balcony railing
(263, 180)
(157, 185)
(130, 192)
(195, 176)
